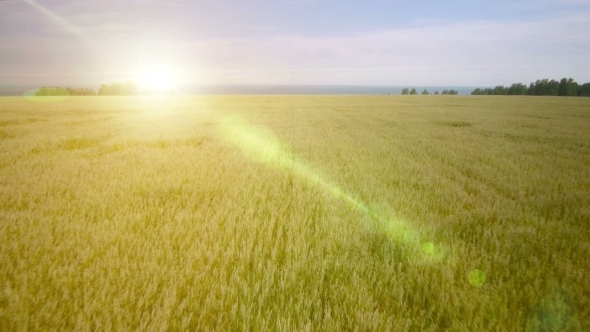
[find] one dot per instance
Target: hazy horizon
(229, 89)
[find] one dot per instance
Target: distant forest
(116, 89)
(545, 87)
(54, 91)
(407, 91)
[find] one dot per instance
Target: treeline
(407, 91)
(54, 91)
(545, 87)
(116, 89)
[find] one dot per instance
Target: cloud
(425, 52)
(455, 52)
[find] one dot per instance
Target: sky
(294, 42)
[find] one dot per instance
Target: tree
(500, 90)
(81, 91)
(573, 88)
(54, 91)
(51, 91)
(563, 87)
(118, 89)
(517, 89)
(544, 87)
(568, 87)
(129, 88)
(104, 90)
(584, 90)
(552, 88)
(531, 89)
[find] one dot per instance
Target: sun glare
(157, 79)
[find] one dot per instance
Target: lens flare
(259, 144)
(477, 278)
(157, 78)
(57, 19)
(428, 248)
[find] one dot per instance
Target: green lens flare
(31, 95)
(260, 144)
(477, 278)
(428, 248)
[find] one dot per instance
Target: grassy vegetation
(295, 213)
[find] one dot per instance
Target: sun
(157, 79)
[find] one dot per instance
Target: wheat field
(295, 213)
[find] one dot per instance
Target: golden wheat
(295, 213)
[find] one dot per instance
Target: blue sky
(467, 43)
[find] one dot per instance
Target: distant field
(288, 213)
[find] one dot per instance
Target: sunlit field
(295, 213)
